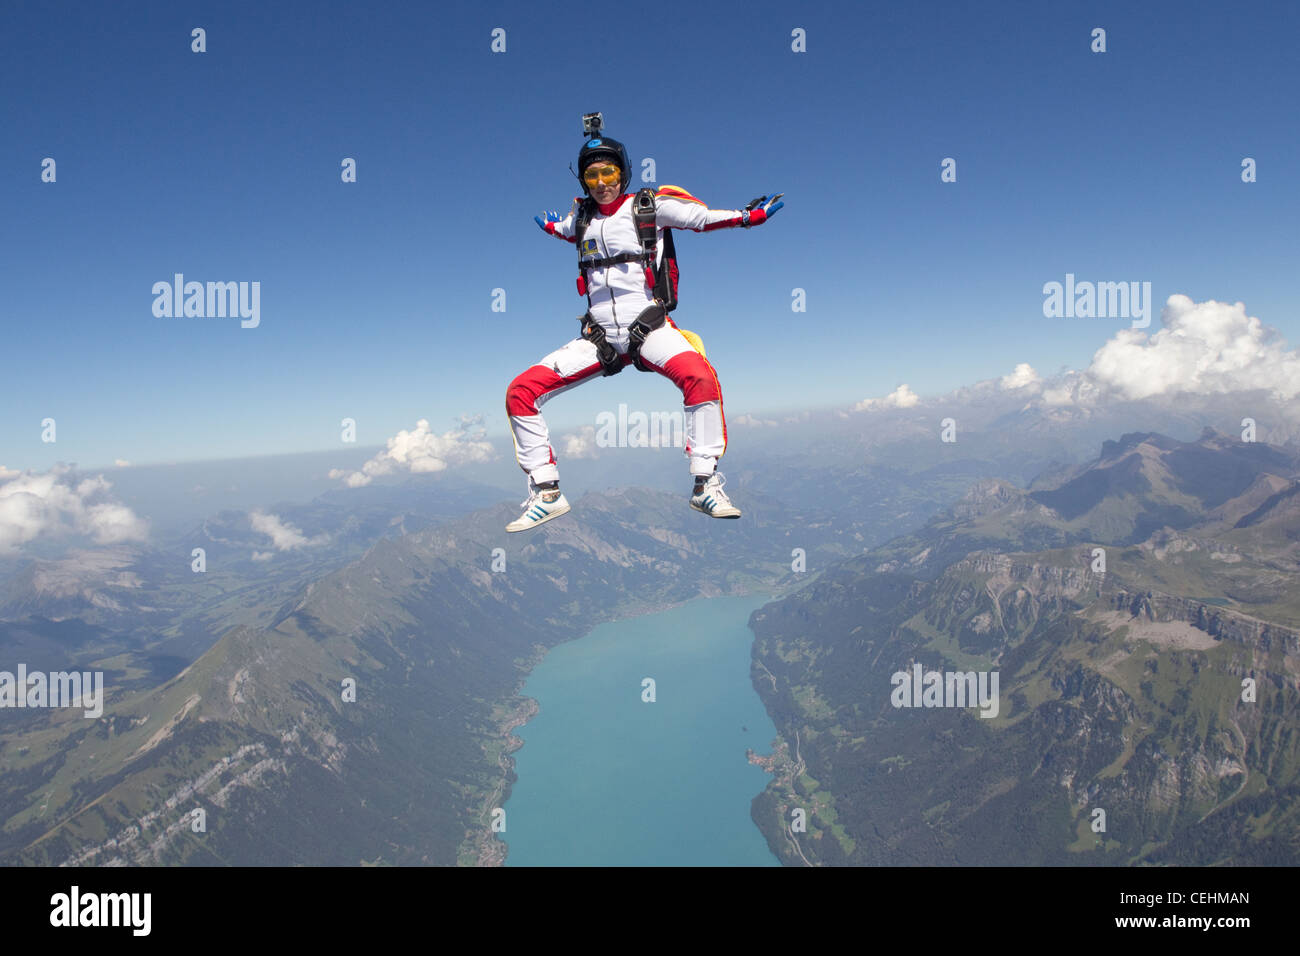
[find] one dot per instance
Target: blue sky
(376, 295)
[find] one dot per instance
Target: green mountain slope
(259, 734)
(1120, 690)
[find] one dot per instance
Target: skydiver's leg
(671, 355)
(565, 368)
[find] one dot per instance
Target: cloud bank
(1203, 349)
(421, 451)
(56, 503)
(901, 397)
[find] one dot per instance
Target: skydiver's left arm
(675, 208)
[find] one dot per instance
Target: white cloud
(33, 505)
(1061, 395)
(1073, 388)
(121, 463)
(901, 397)
(421, 451)
(284, 537)
(752, 421)
(1205, 347)
(263, 555)
(1023, 375)
(581, 444)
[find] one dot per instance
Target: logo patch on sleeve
(588, 249)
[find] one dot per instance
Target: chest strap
(619, 259)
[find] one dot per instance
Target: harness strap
(651, 318)
(643, 214)
(586, 209)
(593, 332)
(613, 260)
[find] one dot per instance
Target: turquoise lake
(607, 779)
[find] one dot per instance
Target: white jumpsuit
(618, 294)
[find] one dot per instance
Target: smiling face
(606, 188)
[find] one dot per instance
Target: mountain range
(351, 701)
(1142, 614)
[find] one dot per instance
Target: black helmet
(611, 150)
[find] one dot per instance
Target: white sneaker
(540, 506)
(713, 501)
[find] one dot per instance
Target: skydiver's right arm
(561, 228)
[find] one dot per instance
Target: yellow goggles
(605, 174)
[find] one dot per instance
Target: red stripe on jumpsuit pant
(722, 413)
(695, 376)
(534, 382)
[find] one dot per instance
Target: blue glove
(550, 217)
(768, 206)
